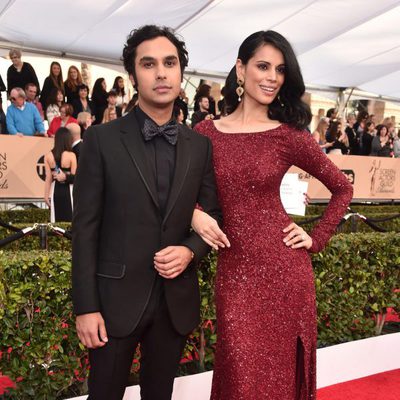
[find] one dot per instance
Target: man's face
(31, 93)
(204, 104)
(16, 99)
(158, 72)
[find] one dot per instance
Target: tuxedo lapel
(132, 140)
(181, 168)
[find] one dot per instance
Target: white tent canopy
(339, 43)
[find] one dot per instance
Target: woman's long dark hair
(294, 111)
(53, 96)
(57, 80)
(99, 95)
(62, 142)
(120, 91)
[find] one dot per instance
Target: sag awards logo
(3, 169)
(382, 180)
(40, 169)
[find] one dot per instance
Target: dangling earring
(240, 89)
(280, 101)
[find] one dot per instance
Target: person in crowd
(2, 86)
(65, 118)
(75, 130)
(266, 273)
(353, 135)
(182, 102)
(221, 103)
(20, 73)
(179, 114)
(55, 100)
(320, 132)
(203, 112)
(332, 114)
(122, 95)
(338, 138)
(74, 80)
(382, 143)
(58, 195)
(31, 97)
(110, 113)
(366, 138)
(112, 99)
(53, 81)
(362, 119)
(22, 117)
(396, 146)
(204, 90)
(119, 206)
(3, 123)
(99, 100)
(83, 103)
(85, 121)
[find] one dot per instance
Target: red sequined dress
(265, 294)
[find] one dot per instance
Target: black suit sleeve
(88, 208)
(208, 200)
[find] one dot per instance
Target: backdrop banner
(373, 178)
(22, 172)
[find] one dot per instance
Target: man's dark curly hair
(149, 32)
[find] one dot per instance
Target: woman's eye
(281, 70)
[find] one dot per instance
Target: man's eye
(148, 64)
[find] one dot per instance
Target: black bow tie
(169, 131)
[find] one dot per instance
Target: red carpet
(384, 386)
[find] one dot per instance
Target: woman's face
(55, 70)
(121, 83)
(383, 131)
(263, 75)
(112, 114)
(104, 84)
(63, 113)
(15, 59)
(371, 128)
(73, 73)
(181, 116)
(60, 97)
(83, 93)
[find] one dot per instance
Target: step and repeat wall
(22, 172)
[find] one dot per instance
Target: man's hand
(91, 330)
(172, 261)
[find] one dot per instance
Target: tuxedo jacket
(117, 225)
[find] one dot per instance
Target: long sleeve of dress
(307, 155)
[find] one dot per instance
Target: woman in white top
(122, 96)
(56, 100)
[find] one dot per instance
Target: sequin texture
(265, 294)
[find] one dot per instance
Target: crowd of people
(66, 104)
(360, 135)
(61, 102)
(36, 111)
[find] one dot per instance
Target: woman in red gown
(265, 294)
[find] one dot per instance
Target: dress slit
(300, 371)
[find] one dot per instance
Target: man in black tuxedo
(134, 255)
